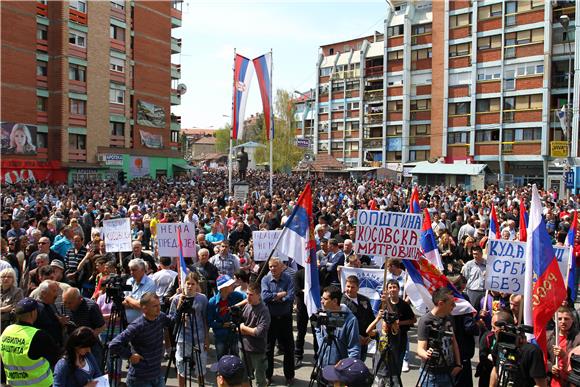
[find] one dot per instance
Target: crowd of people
(71, 311)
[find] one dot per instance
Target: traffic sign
(569, 179)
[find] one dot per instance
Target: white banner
(167, 244)
(506, 267)
(139, 166)
(117, 234)
(388, 234)
(263, 243)
(370, 283)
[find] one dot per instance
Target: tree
(222, 141)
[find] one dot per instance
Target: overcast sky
(294, 30)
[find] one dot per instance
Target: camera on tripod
(236, 314)
(329, 319)
(437, 334)
(115, 288)
(509, 339)
(186, 305)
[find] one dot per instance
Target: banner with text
(505, 266)
(388, 234)
(167, 239)
(117, 234)
(263, 243)
(370, 283)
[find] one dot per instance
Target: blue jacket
(347, 340)
(216, 317)
(63, 377)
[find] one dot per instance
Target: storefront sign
(559, 148)
(113, 159)
(17, 171)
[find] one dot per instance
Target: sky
(293, 30)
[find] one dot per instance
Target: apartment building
(460, 81)
(88, 88)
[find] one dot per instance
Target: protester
(230, 372)
(140, 284)
(10, 296)
(362, 309)
(78, 367)
(349, 373)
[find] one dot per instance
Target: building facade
(91, 85)
(463, 81)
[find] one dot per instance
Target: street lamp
(565, 22)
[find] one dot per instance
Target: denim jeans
(258, 363)
(157, 382)
(435, 380)
(226, 348)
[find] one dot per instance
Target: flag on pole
(428, 242)
(494, 232)
(243, 73)
(414, 206)
(423, 279)
(563, 117)
(181, 267)
(572, 260)
(544, 288)
(263, 66)
(523, 222)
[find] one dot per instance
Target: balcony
(374, 119)
(375, 71)
(175, 45)
(374, 95)
(77, 155)
(176, 6)
(560, 81)
(77, 16)
(507, 147)
(175, 71)
(117, 142)
(175, 98)
(41, 9)
(175, 122)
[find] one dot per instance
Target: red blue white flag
(243, 73)
(429, 243)
(181, 267)
(572, 260)
(544, 287)
(263, 66)
(523, 222)
(414, 206)
(494, 232)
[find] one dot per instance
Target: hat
(224, 281)
(228, 366)
(57, 263)
(348, 371)
(26, 305)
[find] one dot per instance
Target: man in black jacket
(361, 307)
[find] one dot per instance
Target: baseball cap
(26, 305)
(57, 263)
(224, 281)
(228, 366)
(352, 372)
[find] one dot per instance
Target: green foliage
(222, 142)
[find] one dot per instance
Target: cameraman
(440, 358)
(254, 332)
(347, 342)
(531, 370)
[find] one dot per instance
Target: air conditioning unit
(101, 158)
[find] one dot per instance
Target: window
(117, 33)
(460, 49)
(509, 103)
(119, 4)
(395, 106)
(459, 20)
(527, 70)
(421, 29)
(337, 126)
(41, 104)
(331, 51)
(394, 55)
(487, 135)
(457, 138)
(489, 42)
(522, 37)
(529, 102)
(41, 68)
(396, 130)
(352, 106)
(116, 96)
(531, 134)
(42, 140)
(510, 52)
(325, 71)
(511, 7)
(420, 104)
(77, 141)
(509, 84)
(41, 32)
(77, 72)
(420, 54)
(418, 155)
(489, 73)
(117, 128)
(323, 109)
(420, 130)
(175, 136)
(459, 108)
(79, 5)
(489, 11)
(487, 105)
(77, 38)
(78, 107)
(117, 64)
(510, 20)
(395, 30)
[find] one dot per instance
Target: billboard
(18, 138)
(149, 114)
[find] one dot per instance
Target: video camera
(186, 305)
(390, 317)
(236, 314)
(574, 376)
(509, 339)
(436, 335)
(330, 320)
(115, 288)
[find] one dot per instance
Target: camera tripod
(388, 357)
(429, 365)
(236, 329)
(116, 317)
(186, 319)
(325, 349)
(508, 371)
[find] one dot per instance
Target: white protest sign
(388, 234)
(167, 244)
(505, 268)
(117, 235)
(263, 243)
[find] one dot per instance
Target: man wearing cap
(348, 372)
(28, 353)
(219, 317)
(230, 372)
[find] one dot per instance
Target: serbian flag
(572, 260)
(494, 232)
(181, 267)
(243, 73)
(523, 222)
(263, 66)
(544, 287)
(428, 242)
(414, 206)
(423, 279)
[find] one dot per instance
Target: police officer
(28, 353)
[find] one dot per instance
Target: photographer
(558, 351)
(405, 316)
(360, 306)
(254, 332)
(347, 337)
(190, 301)
(436, 344)
(531, 370)
(385, 330)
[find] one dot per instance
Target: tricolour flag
(428, 242)
(181, 267)
(243, 72)
(563, 117)
(423, 279)
(544, 288)
(414, 206)
(572, 260)
(494, 232)
(263, 66)
(523, 222)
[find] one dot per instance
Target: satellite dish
(181, 89)
(433, 160)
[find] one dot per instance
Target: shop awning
(427, 168)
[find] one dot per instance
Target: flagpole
(230, 166)
(270, 129)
